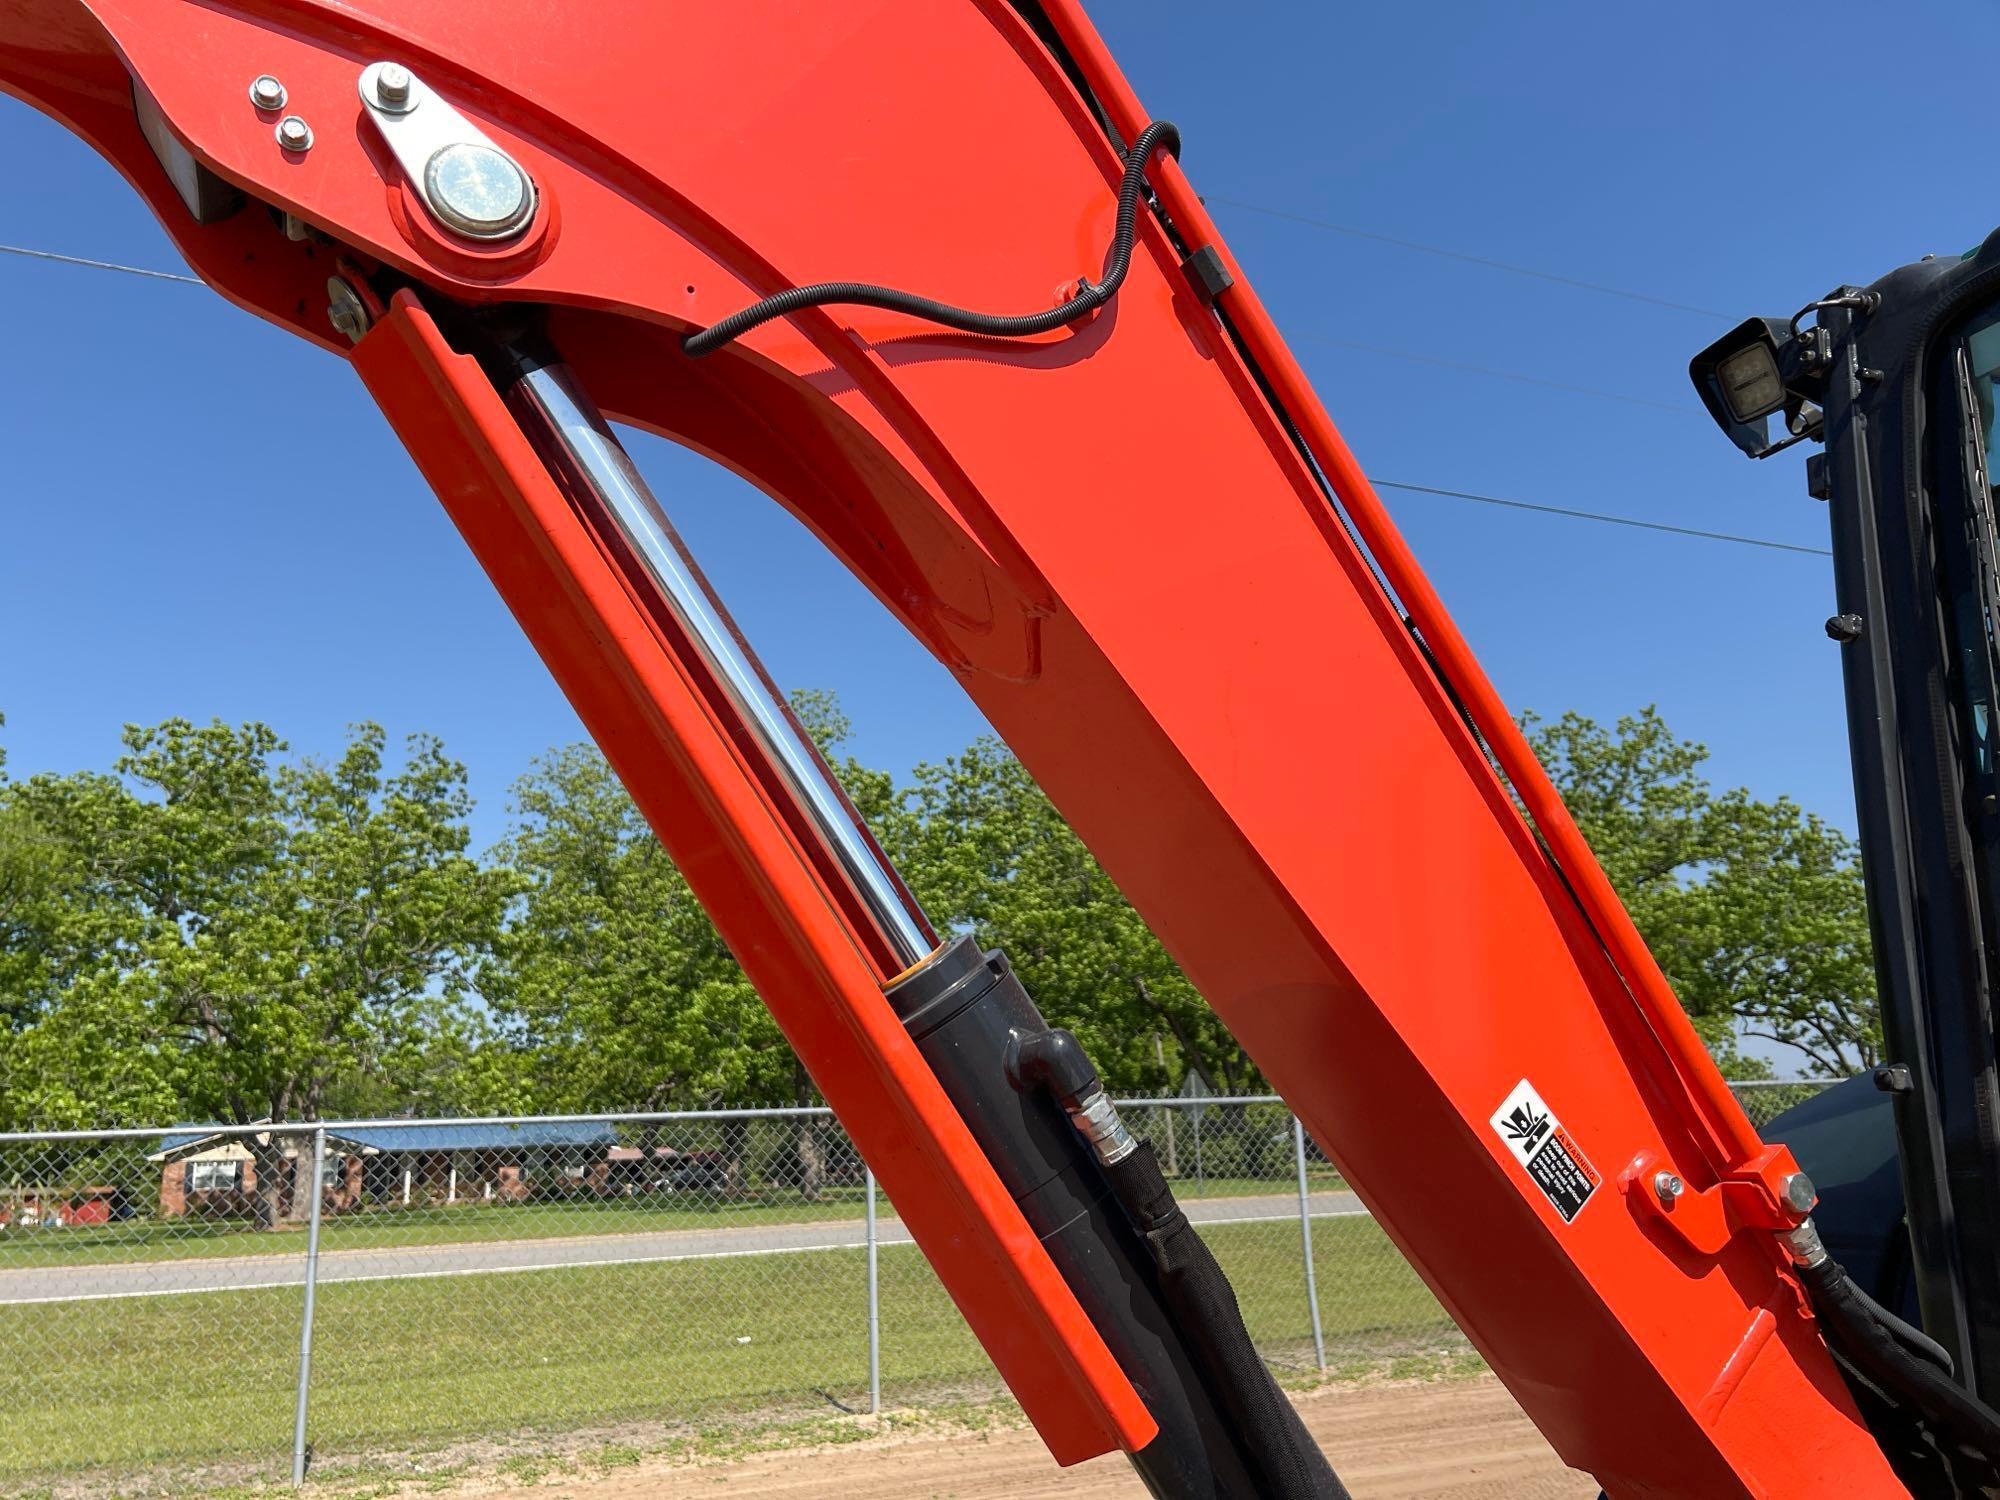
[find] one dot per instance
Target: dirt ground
(1452, 1440)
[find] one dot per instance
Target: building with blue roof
(213, 1173)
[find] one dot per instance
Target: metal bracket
(1210, 276)
(471, 186)
(1767, 1192)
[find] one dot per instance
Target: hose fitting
(1804, 1246)
(1098, 1123)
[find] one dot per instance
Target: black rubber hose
(1947, 1407)
(1090, 295)
(1195, 1288)
(1911, 1338)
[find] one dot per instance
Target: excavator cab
(1895, 382)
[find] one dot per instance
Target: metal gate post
(874, 1307)
(1306, 1241)
(306, 1322)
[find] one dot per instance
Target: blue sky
(206, 517)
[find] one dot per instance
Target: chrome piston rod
(1044, 1160)
(571, 437)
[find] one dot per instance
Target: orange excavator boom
(1126, 524)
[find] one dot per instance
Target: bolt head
(1668, 1186)
(1845, 628)
(294, 134)
(392, 85)
(478, 190)
(1799, 1193)
(345, 310)
(266, 92)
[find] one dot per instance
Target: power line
(1460, 255)
(1386, 484)
(100, 265)
(1305, 339)
(1592, 515)
(1255, 208)
(1408, 356)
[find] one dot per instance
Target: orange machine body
(1113, 538)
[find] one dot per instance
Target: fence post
(874, 1307)
(1306, 1241)
(306, 1322)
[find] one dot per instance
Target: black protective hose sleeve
(1198, 1294)
(1090, 295)
(1911, 1338)
(1950, 1410)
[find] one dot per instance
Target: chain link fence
(184, 1300)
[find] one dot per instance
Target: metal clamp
(1768, 1192)
(471, 186)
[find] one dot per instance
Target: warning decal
(1538, 1141)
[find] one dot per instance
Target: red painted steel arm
(1111, 535)
(632, 687)
(1732, 1136)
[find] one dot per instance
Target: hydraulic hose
(1195, 1288)
(1090, 295)
(1289, 1464)
(1037, 1107)
(1914, 1339)
(1873, 1348)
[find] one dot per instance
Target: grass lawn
(473, 1222)
(116, 1385)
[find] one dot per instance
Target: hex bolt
(1799, 1193)
(392, 85)
(1668, 1186)
(345, 310)
(1845, 628)
(294, 134)
(266, 92)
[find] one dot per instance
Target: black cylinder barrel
(963, 1008)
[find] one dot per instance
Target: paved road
(167, 1278)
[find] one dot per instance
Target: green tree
(34, 874)
(614, 984)
(244, 935)
(610, 975)
(1755, 909)
(1776, 936)
(987, 851)
(617, 989)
